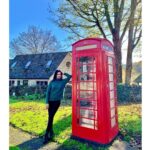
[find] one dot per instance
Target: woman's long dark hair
(55, 75)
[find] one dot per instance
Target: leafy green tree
(111, 19)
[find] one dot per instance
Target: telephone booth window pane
(91, 114)
(82, 77)
(111, 85)
(88, 104)
(112, 103)
(87, 59)
(94, 61)
(111, 77)
(113, 122)
(87, 94)
(86, 85)
(91, 68)
(85, 103)
(77, 86)
(112, 112)
(110, 60)
(95, 88)
(111, 94)
(87, 68)
(110, 68)
(87, 123)
(92, 77)
(83, 68)
(87, 77)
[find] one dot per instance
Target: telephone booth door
(86, 92)
(86, 117)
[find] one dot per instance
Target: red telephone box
(94, 99)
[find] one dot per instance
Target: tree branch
(80, 10)
(76, 33)
(97, 20)
(138, 39)
(133, 8)
(121, 10)
(108, 16)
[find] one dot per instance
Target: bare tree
(33, 41)
(111, 18)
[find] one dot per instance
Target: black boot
(51, 134)
(46, 139)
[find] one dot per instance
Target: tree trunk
(118, 56)
(129, 56)
(128, 67)
(130, 44)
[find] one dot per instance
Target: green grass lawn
(13, 148)
(31, 116)
(130, 121)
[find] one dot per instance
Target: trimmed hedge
(129, 93)
(36, 92)
(125, 93)
(25, 92)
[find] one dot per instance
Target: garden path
(26, 141)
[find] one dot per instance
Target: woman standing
(53, 97)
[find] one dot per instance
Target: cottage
(37, 69)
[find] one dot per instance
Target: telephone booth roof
(99, 44)
(97, 39)
(92, 39)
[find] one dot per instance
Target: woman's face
(59, 75)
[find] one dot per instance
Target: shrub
(125, 93)
(27, 90)
(128, 93)
(36, 92)
(68, 92)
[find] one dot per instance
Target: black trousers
(53, 107)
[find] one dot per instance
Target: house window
(48, 64)
(41, 83)
(11, 83)
(27, 64)
(45, 83)
(68, 64)
(25, 82)
(18, 82)
(13, 65)
(37, 82)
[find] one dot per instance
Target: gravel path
(26, 141)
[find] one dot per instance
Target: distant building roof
(34, 66)
(138, 79)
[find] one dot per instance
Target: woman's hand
(47, 106)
